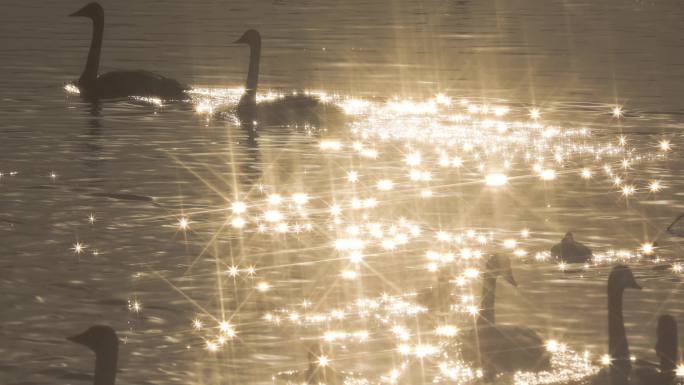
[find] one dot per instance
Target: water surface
(139, 169)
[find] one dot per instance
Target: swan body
(501, 348)
(571, 251)
(125, 83)
(505, 348)
(298, 108)
(104, 342)
(119, 84)
(317, 374)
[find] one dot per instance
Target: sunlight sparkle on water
(680, 371)
(183, 223)
(496, 179)
(78, 247)
(617, 112)
(371, 223)
(72, 89)
(664, 145)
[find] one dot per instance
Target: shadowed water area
(141, 169)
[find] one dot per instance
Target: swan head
(251, 37)
(444, 276)
(622, 277)
(91, 10)
(500, 265)
(98, 338)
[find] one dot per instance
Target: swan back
(505, 348)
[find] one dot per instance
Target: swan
(104, 342)
(620, 278)
(436, 299)
(618, 373)
(571, 251)
(297, 108)
(501, 348)
(666, 350)
(119, 84)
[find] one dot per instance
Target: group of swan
(494, 347)
(120, 84)
(500, 348)
(497, 348)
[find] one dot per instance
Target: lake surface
(144, 172)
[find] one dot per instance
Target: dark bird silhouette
(666, 350)
(667, 346)
(620, 278)
(618, 373)
(501, 348)
(299, 108)
(571, 251)
(436, 298)
(103, 341)
(119, 84)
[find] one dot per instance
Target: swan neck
(89, 74)
(105, 366)
(253, 72)
(618, 346)
(487, 315)
(666, 348)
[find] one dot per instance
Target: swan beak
(239, 41)
(78, 338)
(635, 285)
(85, 11)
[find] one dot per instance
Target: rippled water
(139, 169)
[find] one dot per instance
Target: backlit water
(139, 169)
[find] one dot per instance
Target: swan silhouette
(620, 278)
(667, 347)
(618, 373)
(571, 251)
(299, 108)
(501, 348)
(620, 370)
(119, 84)
(436, 298)
(666, 350)
(103, 341)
